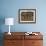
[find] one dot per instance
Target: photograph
(27, 15)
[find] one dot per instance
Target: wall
(9, 8)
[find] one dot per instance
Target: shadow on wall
(2, 21)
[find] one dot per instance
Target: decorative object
(9, 21)
(30, 33)
(27, 15)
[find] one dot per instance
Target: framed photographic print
(27, 15)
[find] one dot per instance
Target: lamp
(9, 21)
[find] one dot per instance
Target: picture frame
(27, 15)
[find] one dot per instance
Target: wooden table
(20, 39)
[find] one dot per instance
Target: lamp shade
(9, 21)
